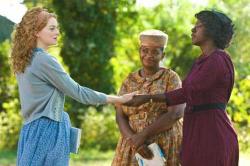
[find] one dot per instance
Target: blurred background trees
(99, 47)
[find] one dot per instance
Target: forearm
(123, 124)
(170, 98)
(111, 99)
(157, 98)
(125, 129)
(178, 96)
(47, 69)
(164, 122)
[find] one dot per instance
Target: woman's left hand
(138, 139)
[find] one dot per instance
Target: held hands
(117, 100)
(125, 98)
(137, 100)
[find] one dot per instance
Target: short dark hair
(219, 27)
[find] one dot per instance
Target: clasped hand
(137, 100)
(137, 142)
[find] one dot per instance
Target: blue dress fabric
(44, 142)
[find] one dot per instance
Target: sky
(14, 9)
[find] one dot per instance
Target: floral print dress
(142, 116)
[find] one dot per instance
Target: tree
(89, 31)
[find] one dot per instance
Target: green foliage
(239, 106)
(10, 120)
(88, 42)
(41, 3)
(89, 31)
(4, 72)
(10, 123)
(239, 110)
(126, 58)
(99, 129)
(243, 137)
(172, 18)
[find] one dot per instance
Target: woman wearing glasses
(208, 136)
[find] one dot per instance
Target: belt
(209, 106)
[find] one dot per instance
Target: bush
(244, 138)
(10, 120)
(99, 129)
(10, 124)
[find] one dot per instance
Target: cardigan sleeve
(49, 70)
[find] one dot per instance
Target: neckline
(201, 58)
(38, 49)
(155, 76)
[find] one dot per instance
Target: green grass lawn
(90, 158)
(84, 158)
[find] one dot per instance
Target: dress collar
(157, 75)
(202, 58)
(37, 49)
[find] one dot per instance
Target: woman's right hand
(137, 139)
(143, 150)
(112, 99)
(127, 97)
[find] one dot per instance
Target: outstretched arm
(46, 68)
(112, 99)
(209, 75)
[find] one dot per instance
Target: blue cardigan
(43, 86)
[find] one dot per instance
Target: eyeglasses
(198, 26)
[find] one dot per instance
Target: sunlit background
(15, 9)
(101, 59)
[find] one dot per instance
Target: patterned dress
(142, 116)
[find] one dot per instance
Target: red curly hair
(25, 40)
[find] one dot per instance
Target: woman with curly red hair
(43, 84)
